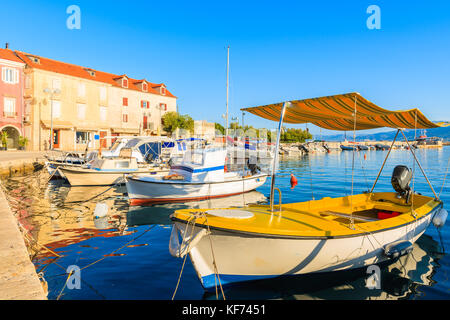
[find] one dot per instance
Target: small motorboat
(362, 147)
(57, 158)
(108, 171)
(382, 147)
(237, 244)
(348, 147)
(201, 175)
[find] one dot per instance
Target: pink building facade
(11, 97)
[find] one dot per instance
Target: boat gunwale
(298, 237)
(197, 183)
(94, 171)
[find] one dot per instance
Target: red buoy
(294, 181)
(365, 156)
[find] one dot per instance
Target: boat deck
(321, 218)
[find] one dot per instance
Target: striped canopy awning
(337, 113)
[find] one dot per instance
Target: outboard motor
(401, 178)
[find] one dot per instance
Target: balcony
(9, 114)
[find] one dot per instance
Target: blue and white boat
(201, 174)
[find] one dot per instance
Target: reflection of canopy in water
(337, 113)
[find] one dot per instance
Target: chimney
(7, 45)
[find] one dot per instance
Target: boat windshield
(115, 145)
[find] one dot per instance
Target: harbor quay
(18, 277)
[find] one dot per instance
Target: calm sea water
(125, 254)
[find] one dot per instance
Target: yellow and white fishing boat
(331, 234)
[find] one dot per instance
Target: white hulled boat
(201, 175)
(105, 172)
(327, 235)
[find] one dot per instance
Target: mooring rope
(310, 178)
(445, 177)
(194, 218)
(216, 271)
(65, 284)
(126, 244)
(118, 183)
(364, 171)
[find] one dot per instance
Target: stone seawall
(18, 277)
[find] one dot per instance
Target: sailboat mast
(228, 72)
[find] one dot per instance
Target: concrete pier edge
(18, 277)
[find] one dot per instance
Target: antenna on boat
(228, 77)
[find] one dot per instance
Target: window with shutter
(10, 75)
(9, 109)
(103, 113)
(81, 108)
(81, 90)
(103, 93)
(56, 109)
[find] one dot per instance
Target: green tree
(235, 125)
(219, 127)
(295, 135)
(170, 121)
(186, 122)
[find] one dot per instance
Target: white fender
(180, 250)
(440, 218)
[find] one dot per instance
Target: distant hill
(443, 132)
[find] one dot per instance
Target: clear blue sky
(280, 50)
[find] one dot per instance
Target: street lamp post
(52, 92)
(235, 119)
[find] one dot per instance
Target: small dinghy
(109, 171)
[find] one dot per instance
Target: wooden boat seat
(349, 216)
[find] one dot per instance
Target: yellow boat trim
(318, 218)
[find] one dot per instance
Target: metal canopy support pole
(275, 160)
(418, 163)
(51, 122)
(384, 162)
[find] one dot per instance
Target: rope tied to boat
(181, 250)
(445, 177)
(193, 218)
(65, 284)
(216, 271)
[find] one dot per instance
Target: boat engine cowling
(401, 178)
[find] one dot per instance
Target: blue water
(144, 269)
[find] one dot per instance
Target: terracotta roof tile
(7, 54)
(82, 72)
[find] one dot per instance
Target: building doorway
(56, 139)
(13, 135)
(103, 142)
